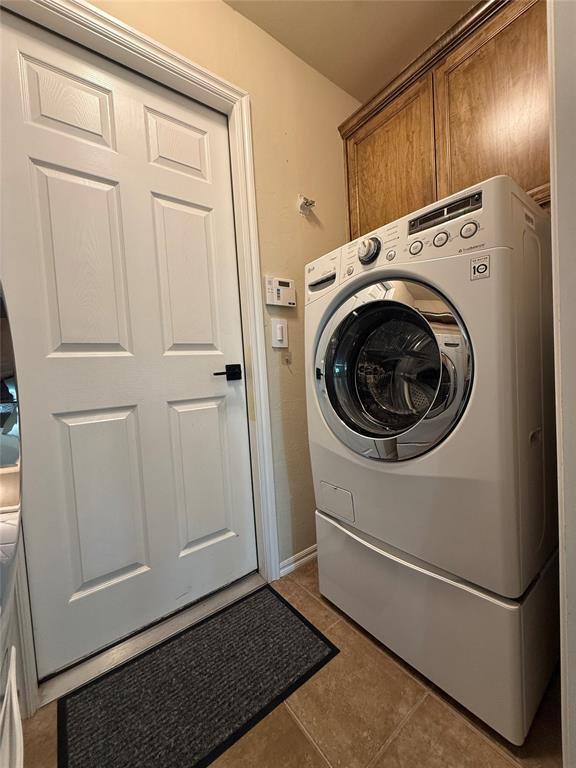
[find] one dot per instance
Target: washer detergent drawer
(492, 654)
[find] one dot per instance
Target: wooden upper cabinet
(491, 104)
(390, 160)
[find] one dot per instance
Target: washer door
(393, 370)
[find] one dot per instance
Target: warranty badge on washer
(479, 267)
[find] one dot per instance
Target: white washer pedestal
(493, 655)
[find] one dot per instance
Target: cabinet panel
(491, 103)
(390, 158)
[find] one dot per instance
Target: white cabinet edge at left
(11, 736)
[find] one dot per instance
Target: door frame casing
(82, 23)
(561, 62)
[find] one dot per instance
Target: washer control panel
(454, 237)
(465, 224)
(382, 246)
(393, 244)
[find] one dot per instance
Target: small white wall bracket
(305, 205)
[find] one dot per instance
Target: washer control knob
(469, 229)
(368, 250)
(391, 255)
(440, 239)
(416, 247)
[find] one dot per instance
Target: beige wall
(297, 149)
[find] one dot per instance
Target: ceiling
(361, 45)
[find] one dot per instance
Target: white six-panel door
(118, 264)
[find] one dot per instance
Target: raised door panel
(186, 268)
(202, 479)
(177, 145)
(391, 166)
(64, 102)
(491, 98)
(107, 523)
(83, 253)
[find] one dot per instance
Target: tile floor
(365, 709)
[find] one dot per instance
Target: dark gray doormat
(182, 703)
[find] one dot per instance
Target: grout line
(331, 626)
(316, 600)
(396, 731)
(307, 734)
(514, 761)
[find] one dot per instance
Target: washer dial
(368, 250)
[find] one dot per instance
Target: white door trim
(86, 25)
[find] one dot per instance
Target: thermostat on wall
(280, 292)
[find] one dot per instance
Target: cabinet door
(391, 167)
(491, 102)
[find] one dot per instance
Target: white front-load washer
(430, 413)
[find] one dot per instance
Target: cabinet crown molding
(468, 24)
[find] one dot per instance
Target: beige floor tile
(40, 738)
(435, 736)
(276, 742)
(354, 704)
(314, 609)
(306, 576)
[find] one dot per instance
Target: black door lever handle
(233, 372)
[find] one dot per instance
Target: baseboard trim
(300, 558)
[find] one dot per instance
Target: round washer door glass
(383, 369)
(393, 369)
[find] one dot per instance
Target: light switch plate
(279, 333)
